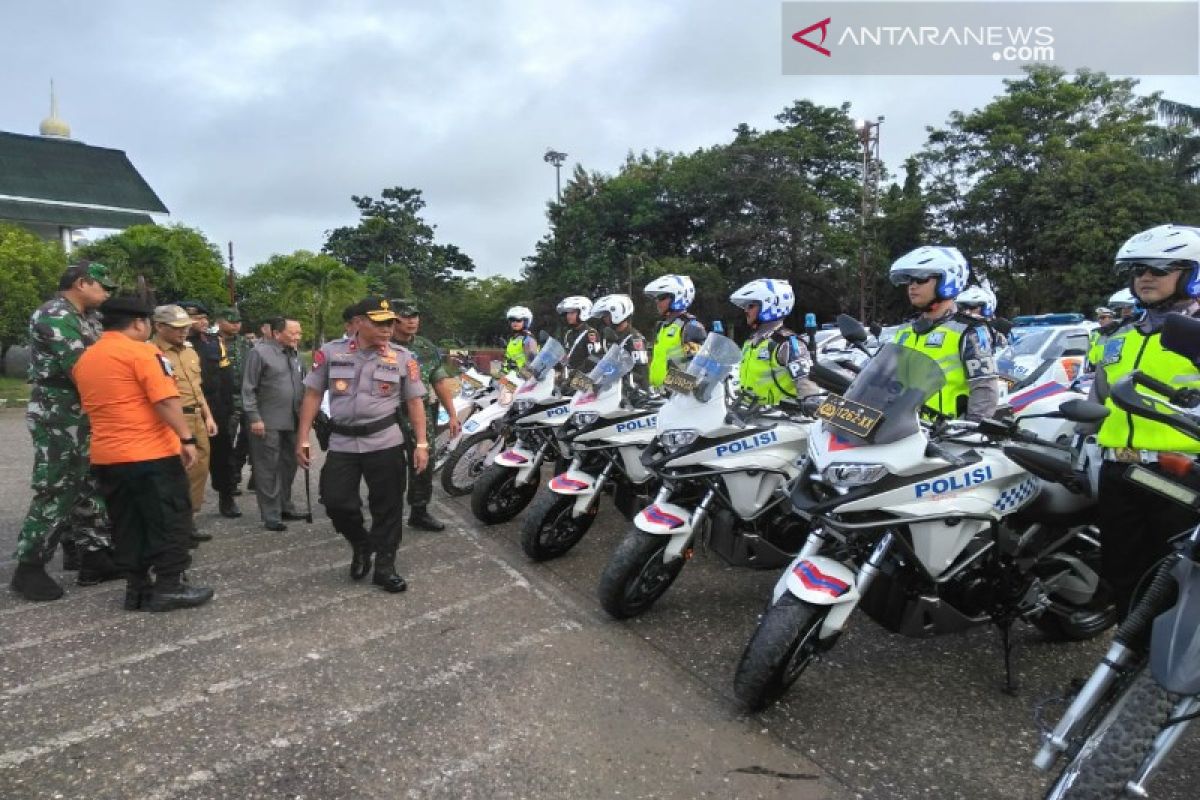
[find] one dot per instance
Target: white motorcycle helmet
(680, 287)
(947, 264)
(978, 296)
(1122, 299)
(775, 298)
(522, 313)
(575, 303)
(1166, 247)
(618, 306)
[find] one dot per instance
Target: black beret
(126, 305)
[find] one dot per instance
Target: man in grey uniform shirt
(368, 378)
(271, 391)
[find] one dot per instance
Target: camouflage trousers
(420, 484)
(66, 501)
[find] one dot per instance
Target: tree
(305, 286)
(29, 272)
(177, 262)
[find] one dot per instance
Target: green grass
(13, 390)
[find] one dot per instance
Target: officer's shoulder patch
(414, 370)
(319, 357)
(639, 344)
(164, 363)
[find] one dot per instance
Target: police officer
(1122, 303)
(368, 379)
(436, 373)
(958, 342)
(171, 326)
(581, 341)
(66, 503)
(615, 313)
(1163, 265)
(141, 445)
(980, 302)
(678, 335)
(521, 346)
(775, 364)
(221, 462)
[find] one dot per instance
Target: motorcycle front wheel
(496, 497)
(1117, 746)
(785, 643)
(551, 527)
(635, 576)
(464, 464)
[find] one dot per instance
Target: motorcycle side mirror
(1001, 324)
(543, 337)
(1181, 334)
(1083, 411)
(876, 329)
(851, 329)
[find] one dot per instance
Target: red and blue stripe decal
(837, 443)
(660, 517)
(514, 456)
(1019, 402)
(818, 581)
(562, 483)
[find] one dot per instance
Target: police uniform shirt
(790, 353)
(584, 346)
(365, 386)
(975, 349)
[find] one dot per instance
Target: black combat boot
(31, 582)
(170, 592)
(137, 592)
(197, 536)
(360, 563)
(97, 567)
(385, 576)
(70, 556)
(422, 520)
(229, 507)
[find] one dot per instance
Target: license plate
(680, 381)
(848, 415)
(580, 382)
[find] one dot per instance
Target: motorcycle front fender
(821, 581)
(1175, 637)
(667, 519)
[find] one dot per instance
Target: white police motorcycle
(481, 438)
(606, 431)
(724, 482)
(476, 392)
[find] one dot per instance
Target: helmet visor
(1155, 266)
(905, 278)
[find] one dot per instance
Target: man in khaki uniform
(171, 325)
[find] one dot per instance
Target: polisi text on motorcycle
(749, 443)
(637, 424)
(954, 483)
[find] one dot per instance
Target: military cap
(376, 309)
(228, 314)
(405, 307)
(194, 307)
(99, 273)
(126, 305)
(172, 315)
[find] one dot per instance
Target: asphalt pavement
(492, 677)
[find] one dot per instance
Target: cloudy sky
(255, 121)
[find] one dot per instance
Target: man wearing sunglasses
(521, 347)
(678, 335)
(958, 342)
(1163, 268)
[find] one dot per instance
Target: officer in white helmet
(615, 313)
(1108, 323)
(521, 346)
(958, 342)
(775, 364)
(1163, 269)
(980, 302)
(678, 335)
(581, 340)
(1123, 303)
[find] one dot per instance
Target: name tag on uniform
(764, 354)
(1112, 351)
(935, 339)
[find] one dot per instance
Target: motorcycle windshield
(715, 360)
(891, 389)
(551, 353)
(616, 364)
(1030, 348)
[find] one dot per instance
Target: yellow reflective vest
(944, 345)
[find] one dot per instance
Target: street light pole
(556, 158)
(868, 135)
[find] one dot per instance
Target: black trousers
(241, 446)
(220, 460)
(151, 513)
(1135, 526)
(385, 472)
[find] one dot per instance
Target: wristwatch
(189, 440)
(423, 445)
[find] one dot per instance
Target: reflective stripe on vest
(1130, 350)
(668, 347)
(760, 374)
(945, 350)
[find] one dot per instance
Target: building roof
(75, 178)
(69, 216)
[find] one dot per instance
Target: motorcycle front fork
(677, 548)
(818, 538)
(1163, 744)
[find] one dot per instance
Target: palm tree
(1178, 141)
(321, 286)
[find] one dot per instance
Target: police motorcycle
(481, 439)
(610, 423)
(1139, 701)
(528, 429)
(476, 392)
(929, 529)
(725, 475)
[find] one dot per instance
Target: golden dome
(52, 125)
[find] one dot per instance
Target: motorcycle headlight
(844, 476)
(523, 406)
(678, 439)
(584, 418)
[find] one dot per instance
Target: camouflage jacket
(236, 350)
(58, 335)
(434, 365)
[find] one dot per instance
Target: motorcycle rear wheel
(551, 527)
(635, 576)
(782, 647)
(496, 497)
(1117, 746)
(464, 464)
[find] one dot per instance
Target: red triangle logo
(822, 26)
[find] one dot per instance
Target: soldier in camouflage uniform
(436, 372)
(65, 500)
